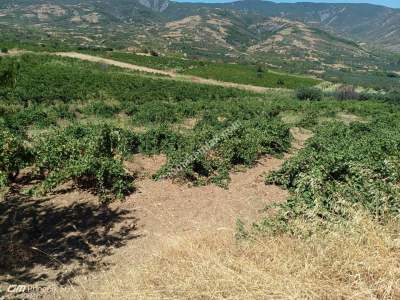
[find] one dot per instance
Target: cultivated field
(124, 182)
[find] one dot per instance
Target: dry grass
(348, 118)
(358, 261)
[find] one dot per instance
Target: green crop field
(147, 60)
(237, 73)
(253, 75)
(67, 102)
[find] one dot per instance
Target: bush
(347, 92)
(280, 82)
(13, 156)
(260, 71)
(90, 156)
(156, 112)
(309, 93)
(392, 75)
(8, 73)
(343, 169)
(31, 115)
(101, 109)
(365, 96)
(393, 97)
(45, 79)
(214, 149)
(160, 140)
(154, 53)
(4, 50)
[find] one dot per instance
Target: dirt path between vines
(165, 210)
(13, 52)
(78, 237)
(194, 79)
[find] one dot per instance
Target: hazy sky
(391, 3)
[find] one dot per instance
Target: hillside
(365, 23)
(282, 36)
(342, 18)
(116, 181)
(152, 149)
(372, 24)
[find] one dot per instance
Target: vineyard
(67, 121)
(56, 109)
(342, 170)
(261, 74)
(245, 73)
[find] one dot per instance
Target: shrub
(393, 97)
(4, 50)
(154, 53)
(280, 82)
(392, 75)
(13, 156)
(101, 109)
(31, 115)
(365, 96)
(213, 150)
(44, 79)
(90, 156)
(309, 93)
(346, 92)
(160, 140)
(156, 112)
(341, 170)
(8, 73)
(260, 71)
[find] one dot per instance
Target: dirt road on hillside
(170, 74)
(115, 63)
(194, 79)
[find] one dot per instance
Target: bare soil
(68, 233)
(167, 208)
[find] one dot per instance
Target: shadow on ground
(37, 236)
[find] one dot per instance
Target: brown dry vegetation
(359, 261)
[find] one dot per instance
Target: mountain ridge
(299, 37)
(375, 25)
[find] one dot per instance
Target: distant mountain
(157, 5)
(367, 23)
(313, 36)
